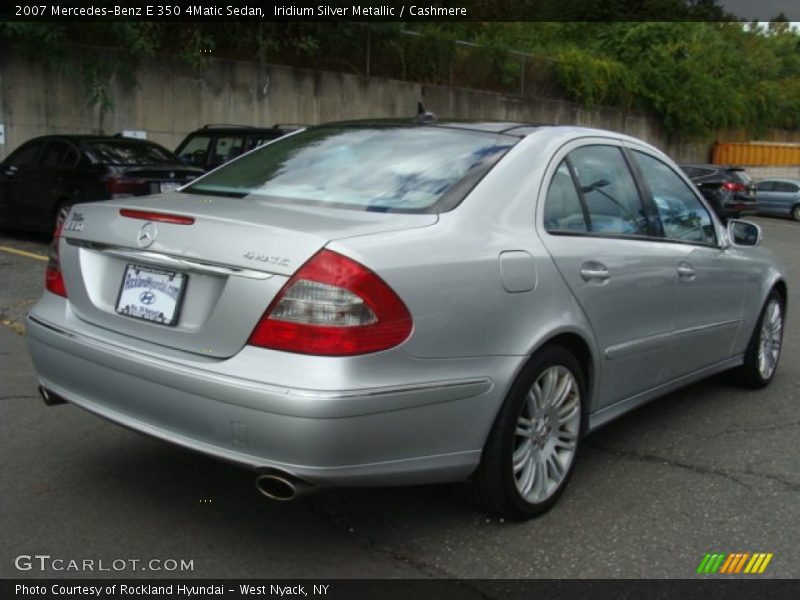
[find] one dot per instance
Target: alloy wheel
(546, 435)
(769, 342)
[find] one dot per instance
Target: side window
(765, 186)
(254, 141)
(682, 214)
(607, 185)
(226, 148)
(782, 186)
(195, 151)
(562, 207)
(59, 155)
(25, 156)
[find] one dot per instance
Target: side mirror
(743, 233)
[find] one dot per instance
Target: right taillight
(53, 278)
(333, 306)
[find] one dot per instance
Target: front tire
(796, 213)
(763, 350)
(530, 454)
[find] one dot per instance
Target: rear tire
(796, 212)
(530, 454)
(763, 350)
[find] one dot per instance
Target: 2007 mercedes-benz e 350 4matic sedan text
(392, 302)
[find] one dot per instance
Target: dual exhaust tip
(283, 487)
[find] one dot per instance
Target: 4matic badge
(265, 258)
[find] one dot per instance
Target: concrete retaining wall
(170, 99)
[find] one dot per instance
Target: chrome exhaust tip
(283, 487)
(50, 398)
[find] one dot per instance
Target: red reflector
(156, 216)
(333, 306)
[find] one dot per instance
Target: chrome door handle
(594, 270)
(685, 270)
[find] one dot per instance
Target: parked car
(47, 175)
(392, 303)
(779, 197)
(213, 145)
(729, 190)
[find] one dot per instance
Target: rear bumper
(410, 433)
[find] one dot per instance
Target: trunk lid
(234, 258)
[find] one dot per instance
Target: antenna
(424, 116)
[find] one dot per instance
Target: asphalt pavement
(710, 468)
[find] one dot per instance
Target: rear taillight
(125, 187)
(53, 279)
(734, 187)
(333, 306)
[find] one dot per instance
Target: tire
(796, 212)
(530, 453)
(763, 351)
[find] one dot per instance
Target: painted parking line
(24, 253)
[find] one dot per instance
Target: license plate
(169, 186)
(151, 294)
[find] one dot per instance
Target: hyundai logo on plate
(146, 235)
(147, 297)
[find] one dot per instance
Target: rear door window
(608, 188)
(765, 186)
(785, 187)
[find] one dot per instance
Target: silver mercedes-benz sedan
(406, 302)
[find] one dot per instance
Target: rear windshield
(740, 175)
(380, 168)
(121, 152)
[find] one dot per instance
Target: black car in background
(729, 189)
(213, 145)
(48, 174)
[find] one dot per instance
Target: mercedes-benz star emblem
(146, 235)
(147, 297)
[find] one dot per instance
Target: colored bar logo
(736, 562)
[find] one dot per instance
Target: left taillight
(54, 279)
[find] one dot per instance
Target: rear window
(379, 168)
(740, 175)
(121, 152)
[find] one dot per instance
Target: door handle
(685, 270)
(594, 270)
